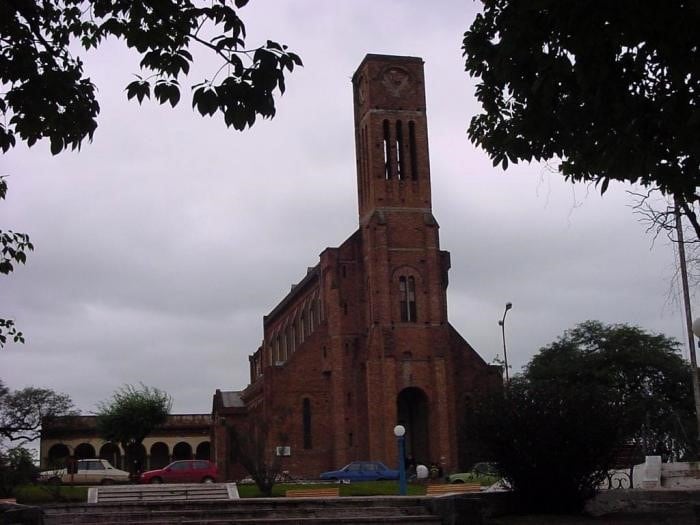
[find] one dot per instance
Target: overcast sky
(160, 246)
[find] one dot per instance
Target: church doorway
(412, 412)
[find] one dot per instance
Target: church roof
(232, 399)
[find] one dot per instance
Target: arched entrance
(412, 413)
(182, 450)
(57, 455)
(160, 455)
(203, 450)
(84, 451)
(111, 453)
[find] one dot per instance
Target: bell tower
(407, 370)
(391, 135)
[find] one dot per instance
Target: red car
(187, 471)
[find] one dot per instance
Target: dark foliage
(16, 468)
(556, 429)
(554, 441)
(612, 89)
(131, 415)
(644, 372)
(22, 411)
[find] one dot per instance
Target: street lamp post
(400, 432)
(502, 324)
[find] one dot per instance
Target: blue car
(362, 471)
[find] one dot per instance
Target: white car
(89, 472)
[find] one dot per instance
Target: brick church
(362, 342)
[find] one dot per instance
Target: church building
(362, 342)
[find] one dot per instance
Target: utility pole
(688, 314)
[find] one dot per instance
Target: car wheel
(458, 481)
(156, 481)
(54, 481)
(208, 480)
(107, 481)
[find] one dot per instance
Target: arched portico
(58, 454)
(182, 450)
(111, 453)
(203, 450)
(84, 451)
(412, 413)
(160, 455)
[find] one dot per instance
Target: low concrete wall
(662, 502)
(652, 474)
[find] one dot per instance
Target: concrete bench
(162, 493)
(330, 492)
(452, 488)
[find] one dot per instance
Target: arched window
(407, 304)
(310, 318)
(292, 340)
(283, 347)
(312, 315)
(277, 351)
(400, 161)
(388, 168)
(302, 326)
(306, 422)
(412, 149)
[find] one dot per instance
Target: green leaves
(140, 89)
(48, 95)
(563, 421)
(205, 100)
(22, 411)
(13, 248)
(595, 85)
(8, 330)
(132, 414)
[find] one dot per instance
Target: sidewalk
(680, 518)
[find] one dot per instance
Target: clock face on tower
(396, 80)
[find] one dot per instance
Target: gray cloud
(162, 244)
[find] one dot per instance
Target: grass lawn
(360, 488)
(40, 494)
(44, 494)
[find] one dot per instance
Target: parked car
(87, 472)
(479, 472)
(362, 471)
(185, 471)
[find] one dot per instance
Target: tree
(13, 249)
(598, 387)
(16, 468)
(553, 441)
(131, 415)
(611, 89)
(645, 372)
(22, 411)
(46, 94)
(252, 449)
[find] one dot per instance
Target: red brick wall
(355, 364)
